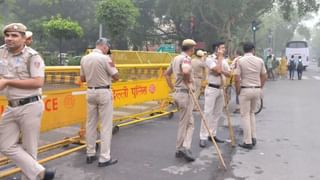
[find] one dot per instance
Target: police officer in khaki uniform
(98, 70)
(29, 39)
(22, 76)
(214, 97)
(198, 68)
(251, 75)
(182, 70)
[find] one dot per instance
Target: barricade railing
(139, 84)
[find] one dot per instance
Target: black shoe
(49, 175)
(108, 163)
(179, 154)
(216, 139)
(188, 156)
(203, 143)
(246, 146)
(254, 141)
(90, 159)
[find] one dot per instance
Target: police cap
(15, 27)
(188, 42)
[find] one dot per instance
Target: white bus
(298, 49)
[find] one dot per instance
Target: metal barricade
(65, 102)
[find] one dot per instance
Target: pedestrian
(250, 78)
(283, 67)
(291, 67)
(29, 39)
(233, 68)
(275, 67)
(214, 96)
(22, 76)
(181, 68)
(299, 68)
(98, 70)
(269, 67)
(198, 68)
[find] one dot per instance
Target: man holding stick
(182, 70)
(214, 97)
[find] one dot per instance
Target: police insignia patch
(36, 64)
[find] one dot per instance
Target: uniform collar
(184, 54)
(248, 54)
(97, 51)
(18, 53)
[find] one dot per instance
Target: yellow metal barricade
(139, 83)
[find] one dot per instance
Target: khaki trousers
(186, 121)
(27, 120)
(99, 104)
(248, 103)
(213, 108)
(197, 84)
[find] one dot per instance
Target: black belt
(252, 87)
(214, 86)
(182, 90)
(100, 87)
(23, 101)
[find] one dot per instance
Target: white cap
(29, 34)
(200, 53)
(188, 42)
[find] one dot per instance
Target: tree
(119, 16)
(300, 7)
(61, 29)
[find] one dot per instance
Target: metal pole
(100, 30)
(254, 38)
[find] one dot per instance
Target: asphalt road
(287, 149)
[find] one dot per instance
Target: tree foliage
(138, 23)
(63, 28)
(118, 15)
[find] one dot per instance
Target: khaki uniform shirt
(24, 65)
(211, 63)
(176, 68)
(97, 68)
(249, 69)
(198, 68)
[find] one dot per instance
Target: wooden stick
(226, 109)
(207, 127)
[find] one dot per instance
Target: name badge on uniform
(3, 67)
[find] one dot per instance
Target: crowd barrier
(139, 83)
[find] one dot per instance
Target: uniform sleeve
(263, 70)
(226, 66)
(238, 69)
(210, 63)
(81, 68)
(170, 70)
(110, 67)
(37, 66)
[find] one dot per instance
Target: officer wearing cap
(218, 69)
(198, 68)
(98, 70)
(251, 75)
(22, 76)
(29, 38)
(181, 68)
